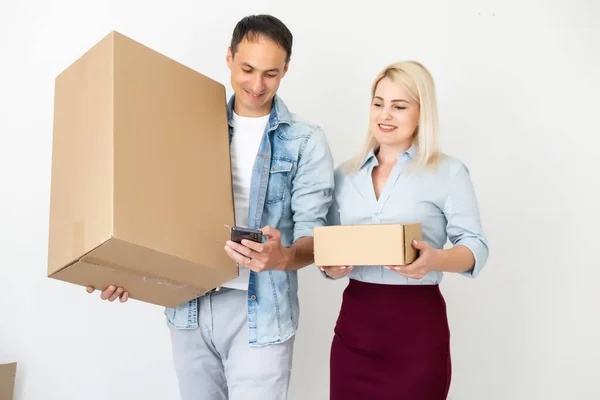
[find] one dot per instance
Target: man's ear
(285, 69)
(229, 57)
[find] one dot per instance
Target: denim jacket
(291, 190)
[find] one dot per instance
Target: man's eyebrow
(269, 70)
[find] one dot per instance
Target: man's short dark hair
(252, 26)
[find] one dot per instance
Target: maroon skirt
(391, 342)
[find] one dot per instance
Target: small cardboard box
(7, 380)
(377, 244)
(141, 191)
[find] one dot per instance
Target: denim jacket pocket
(278, 179)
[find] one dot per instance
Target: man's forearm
(300, 254)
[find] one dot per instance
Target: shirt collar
(409, 154)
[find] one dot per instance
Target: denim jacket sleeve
(312, 187)
(333, 215)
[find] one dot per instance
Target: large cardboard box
(377, 244)
(141, 192)
(7, 380)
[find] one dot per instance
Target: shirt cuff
(325, 275)
(480, 253)
(302, 232)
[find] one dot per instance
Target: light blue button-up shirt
(443, 201)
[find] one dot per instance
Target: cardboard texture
(378, 244)
(7, 380)
(141, 191)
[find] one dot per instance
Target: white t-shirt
(247, 135)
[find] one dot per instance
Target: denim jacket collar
(279, 114)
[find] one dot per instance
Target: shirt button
(253, 297)
(273, 169)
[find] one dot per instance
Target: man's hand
(428, 261)
(111, 293)
(337, 272)
(259, 257)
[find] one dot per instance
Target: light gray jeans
(215, 361)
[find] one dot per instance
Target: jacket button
(253, 297)
(273, 169)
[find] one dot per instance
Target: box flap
(176, 195)
(411, 232)
(148, 288)
(8, 373)
(122, 255)
(81, 194)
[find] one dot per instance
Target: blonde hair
(418, 82)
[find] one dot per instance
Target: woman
(391, 338)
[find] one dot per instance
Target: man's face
(256, 70)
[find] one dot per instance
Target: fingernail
(414, 242)
(386, 267)
(350, 267)
(322, 269)
(397, 268)
(343, 267)
(111, 287)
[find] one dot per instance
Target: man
(237, 341)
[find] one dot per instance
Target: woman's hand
(337, 272)
(428, 260)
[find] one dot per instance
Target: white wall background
(518, 93)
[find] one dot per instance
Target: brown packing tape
(8, 373)
(155, 279)
(78, 239)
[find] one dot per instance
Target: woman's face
(394, 115)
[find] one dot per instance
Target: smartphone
(238, 233)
